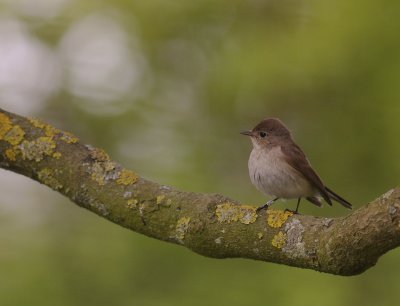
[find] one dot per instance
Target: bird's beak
(247, 133)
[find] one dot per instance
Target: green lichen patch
(15, 135)
(99, 154)
(182, 226)
(98, 174)
(132, 203)
(277, 218)
(11, 154)
(295, 246)
(37, 149)
(160, 199)
(47, 177)
(69, 138)
(102, 169)
(229, 212)
(260, 235)
(127, 177)
(37, 123)
(279, 240)
(51, 131)
(5, 125)
(57, 155)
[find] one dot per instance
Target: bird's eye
(263, 134)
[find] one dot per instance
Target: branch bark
(209, 224)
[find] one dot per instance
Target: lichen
(37, 123)
(229, 212)
(57, 155)
(102, 169)
(98, 174)
(51, 131)
(159, 199)
(98, 154)
(15, 135)
(47, 177)
(5, 125)
(37, 149)
(260, 235)
(127, 194)
(11, 154)
(295, 246)
(276, 218)
(69, 138)
(181, 228)
(279, 240)
(127, 177)
(132, 203)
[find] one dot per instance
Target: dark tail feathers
(338, 198)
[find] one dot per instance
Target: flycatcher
(279, 168)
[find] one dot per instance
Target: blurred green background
(165, 87)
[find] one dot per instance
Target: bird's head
(268, 131)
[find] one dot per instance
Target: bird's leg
(297, 207)
(296, 212)
(266, 205)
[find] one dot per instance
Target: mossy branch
(209, 224)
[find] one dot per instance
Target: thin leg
(297, 207)
(266, 205)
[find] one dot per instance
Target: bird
(279, 168)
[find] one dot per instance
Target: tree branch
(209, 224)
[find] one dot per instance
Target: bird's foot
(265, 206)
(294, 212)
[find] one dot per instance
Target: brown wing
(295, 157)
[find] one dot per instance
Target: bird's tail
(338, 198)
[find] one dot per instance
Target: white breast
(270, 173)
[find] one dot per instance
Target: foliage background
(165, 87)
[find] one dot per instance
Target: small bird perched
(279, 168)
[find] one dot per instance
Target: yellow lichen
(104, 169)
(127, 177)
(132, 203)
(51, 131)
(109, 165)
(181, 228)
(37, 123)
(99, 154)
(229, 212)
(46, 176)
(69, 138)
(279, 240)
(98, 174)
(260, 235)
(15, 135)
(11, 154)
(37, 149)
(57, 155)
(5, 125)
(159, 199)
(276, 218)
